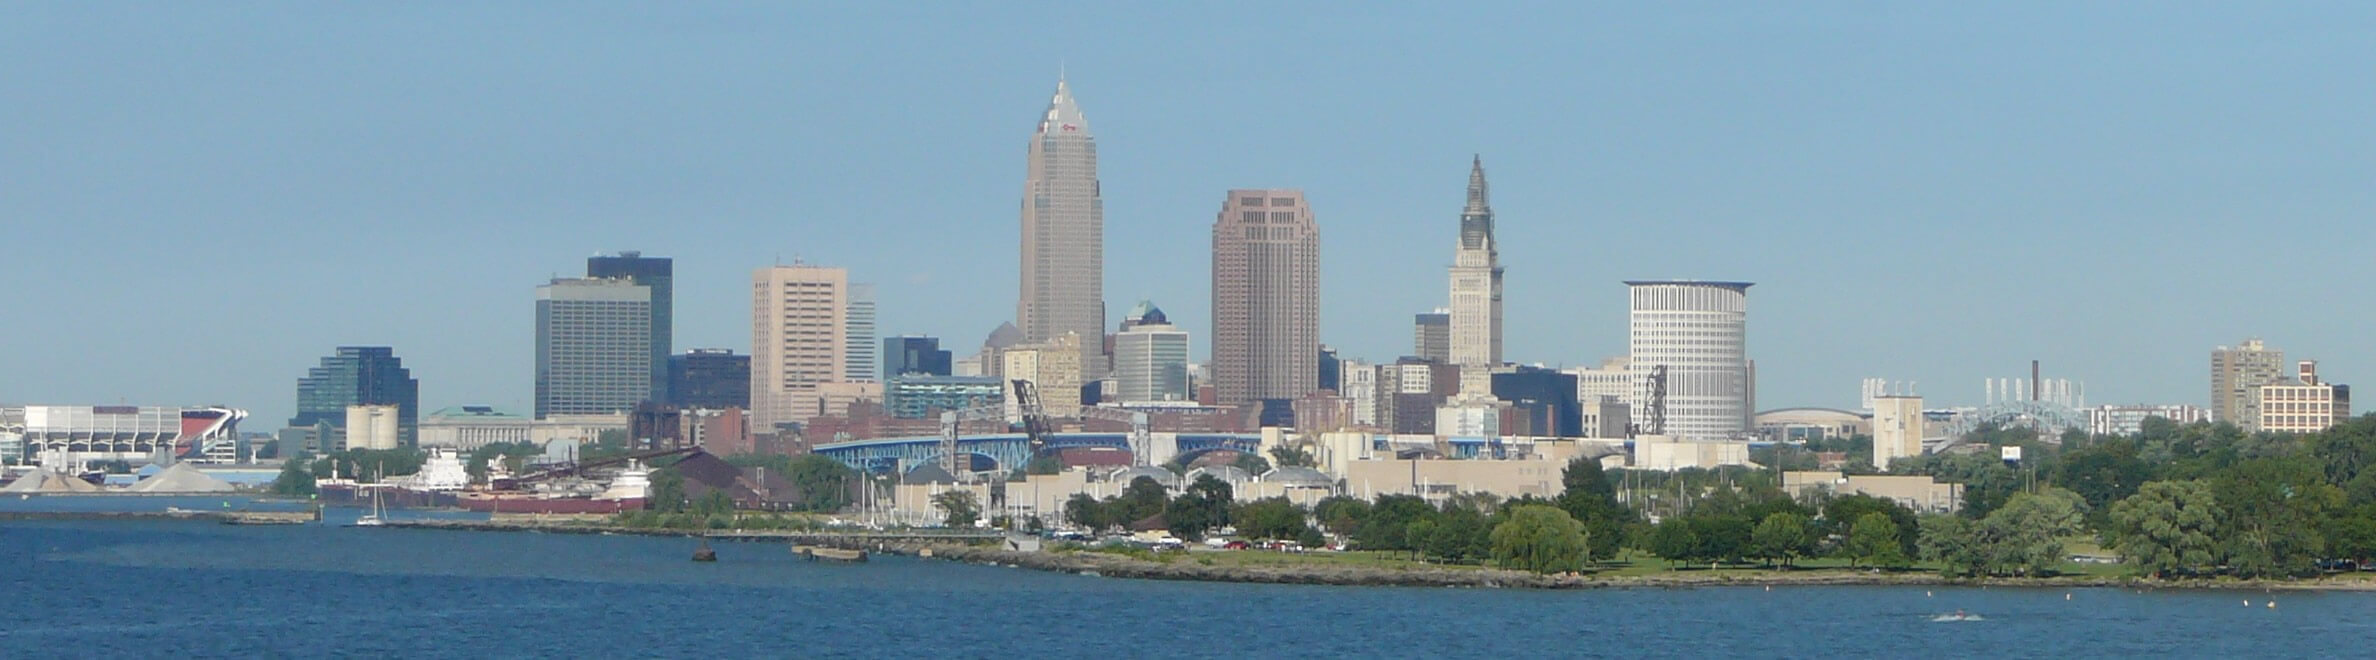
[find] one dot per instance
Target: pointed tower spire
(1476, 219)
(1476, 190)
(1064, 115)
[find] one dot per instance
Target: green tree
(2353, 535)
(823, 484)
(1270, 518)
(294, 478)
(1782, 536)
(1201, 506)
(713, 503)
(1674, 541)
(1955, 542)
(1459, 534)
(1417, 534)
(668, 491)
(1987, 481)
(1341, 514)
(1539, 538)
(1187, 518)
(1873, 540)
(1144, 498)
(2274, 508)
(1311, 538)
(1839, 513)
(2104, 472)
(1722, 538)
(2025, 535)
(1591, 499)
(1252, 463)
(1044, 464)
(1085, 511)
(2168, 528)
(1286, 456)
(1386, 528)
(961, 507)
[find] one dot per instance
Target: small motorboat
(704, 553)
(1958, 615)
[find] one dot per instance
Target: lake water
(162, 588)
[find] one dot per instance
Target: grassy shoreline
(1383, 569)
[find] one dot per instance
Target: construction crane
(1658, 377)
(1655, 408)
(1036, 428)
(1035, 420)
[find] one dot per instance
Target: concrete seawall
(226, 517)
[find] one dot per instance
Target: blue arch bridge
(1012, 450)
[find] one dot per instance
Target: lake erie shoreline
(1186, 567)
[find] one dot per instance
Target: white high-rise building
(1358, 381)
(1476, 324)
(859, 324)
(2126, 420)
(1697, 332)
(1151, 359)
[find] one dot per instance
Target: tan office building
(2236, 376)
(1266, 297)
(799, 340)
(2304, 404)
(1063, 283)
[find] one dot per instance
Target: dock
(817, 553)
(225, 517)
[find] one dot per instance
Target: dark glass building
(355, 376)
(913, 354)
(1545, 393)
(1331, 370)
(655, 273)
(711, 378)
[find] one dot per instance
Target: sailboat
(373, 519)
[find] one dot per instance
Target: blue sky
(201, 199)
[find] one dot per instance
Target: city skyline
(1885, 198)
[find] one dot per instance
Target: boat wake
(1956, 616)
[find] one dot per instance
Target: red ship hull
(550, 505)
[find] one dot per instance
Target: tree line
(2174, 500)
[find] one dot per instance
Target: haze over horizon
(205, 199)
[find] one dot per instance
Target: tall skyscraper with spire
(1064, 235)
(1476, 290)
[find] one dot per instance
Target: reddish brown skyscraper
(1266, 297)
